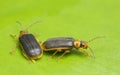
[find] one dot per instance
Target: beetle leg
(33, 61)
(25, 55)
(53, 54)
(67, 51)
(39, 42)
(14, 49)
(28, 57)
(14, 36)
(36, 34)
(86, 53)
(81, 50)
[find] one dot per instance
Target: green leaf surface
(80, 19)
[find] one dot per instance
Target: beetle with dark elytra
(30, 46)
(65, 45)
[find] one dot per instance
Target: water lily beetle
(31, 48)
(65, 45)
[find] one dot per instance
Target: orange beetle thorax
(77, 43)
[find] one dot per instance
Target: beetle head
(83, 44)
(80, 44)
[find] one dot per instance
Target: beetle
(30, 46)
(65, 45)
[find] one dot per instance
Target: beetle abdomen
(59, 42)
(30, 45)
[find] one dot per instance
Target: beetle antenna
(32, 24)
(93, 55)
(96, 38)
(18, 22)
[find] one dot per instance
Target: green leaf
(80, 19)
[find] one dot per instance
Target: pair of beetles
(32, 49)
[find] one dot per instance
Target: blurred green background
(81, 19)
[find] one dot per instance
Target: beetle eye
(82, 44)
